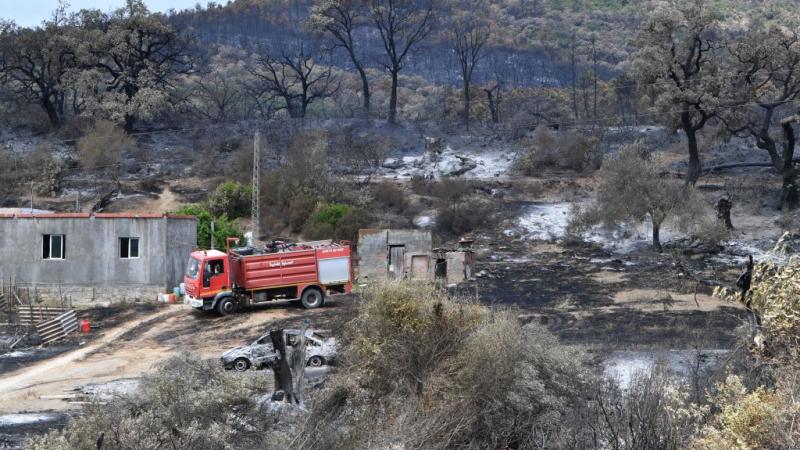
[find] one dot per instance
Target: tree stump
(723, 208)
(289, 369)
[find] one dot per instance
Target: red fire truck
(240, 277)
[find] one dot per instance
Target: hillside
(623, 173)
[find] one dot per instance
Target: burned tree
(676, 60)
(35, 62)
(339, 19)
(493, 98)
(296, 79)
(289, 368)
(402, 25)
(766, 67)
(468, 36)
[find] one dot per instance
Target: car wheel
(315, 361)
(241, 364)
(311, 298)
(226, 306)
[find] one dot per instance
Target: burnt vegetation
(676, 117)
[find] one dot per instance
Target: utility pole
(212, 235)
(255, 213)
(31, 197)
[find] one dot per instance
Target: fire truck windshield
(193, 268)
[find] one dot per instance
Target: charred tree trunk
(280, 368)
(657, 237)
(657, 218)
(723, 208)
(392, 119)
(51, 111)
(695, 166)
(466, 102)
(573, 70)
(789, 194)
(493, 104)
(298, 367)
(364, 89)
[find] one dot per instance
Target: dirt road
(132, 348)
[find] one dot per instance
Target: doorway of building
(396, 258)
(441, 269)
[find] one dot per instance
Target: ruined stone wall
(373, 250)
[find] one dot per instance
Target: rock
(393, 163)
(466, 165)
(424, 221)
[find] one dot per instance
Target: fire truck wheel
(226, 306)
(311, 298)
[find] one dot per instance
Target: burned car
(320, 350)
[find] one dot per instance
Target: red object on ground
(85, 326)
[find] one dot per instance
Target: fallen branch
(15, 343)
(708, 170)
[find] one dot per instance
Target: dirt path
(132, 348)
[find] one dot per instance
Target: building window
(128, 247)
(54, 246)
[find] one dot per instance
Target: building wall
(373, 250)
(92, 262)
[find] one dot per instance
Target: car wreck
(320, 350)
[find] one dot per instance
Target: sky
(33, 12)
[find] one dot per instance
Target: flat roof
(95, 215)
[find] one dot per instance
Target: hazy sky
(32, 12)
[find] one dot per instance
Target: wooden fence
(31, 315)
(58, 327)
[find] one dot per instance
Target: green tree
(134, 56)
(223, 227)
(632, 189)
(677, 64)
(232, 199)
(765, 64)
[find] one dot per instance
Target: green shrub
(335, 221)
(223, 227)
(331, 214)
(232, 199)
